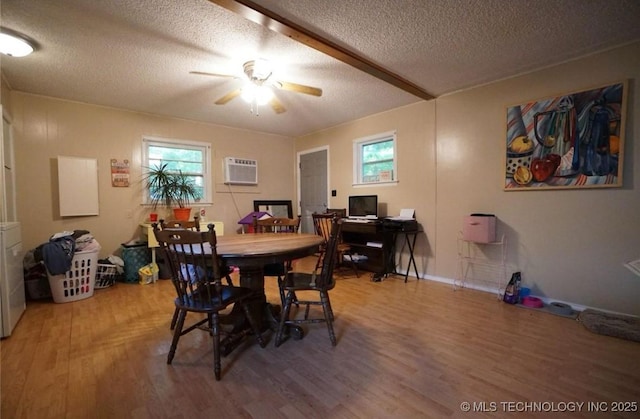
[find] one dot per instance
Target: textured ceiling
(137, 54)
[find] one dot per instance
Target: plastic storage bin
(479, 228)
(105, 275)
(78, 282)
(135, 256)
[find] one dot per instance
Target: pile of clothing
(57, 254)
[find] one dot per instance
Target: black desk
(381, 260)
(370, 240)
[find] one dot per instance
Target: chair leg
(227, 275)
(306, 311)
(281, 290)
(319, 261)
(229, 281)
(214, 321)
(284, 316)
(330, 308)
(254, 325)
(176, 334)
(174, 319)
(353, 264)
(328, 315)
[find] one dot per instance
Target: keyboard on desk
(360, 220)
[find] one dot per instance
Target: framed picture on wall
(575, 140)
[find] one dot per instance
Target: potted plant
(171, 189)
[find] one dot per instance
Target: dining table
(250, 253)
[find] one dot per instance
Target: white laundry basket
(79, 281)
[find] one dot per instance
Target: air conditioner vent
(240, 171)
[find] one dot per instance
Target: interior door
(313, 189)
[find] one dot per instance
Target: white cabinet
(482, 264)
(12, 296)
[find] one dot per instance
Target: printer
(397, 224)
(404, 222)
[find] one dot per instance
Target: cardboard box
(479, 228)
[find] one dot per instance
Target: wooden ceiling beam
(279, 24)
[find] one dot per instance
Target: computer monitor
(363, 206)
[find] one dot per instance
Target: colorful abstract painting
(570, 141)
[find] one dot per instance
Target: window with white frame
(374, 159)
(190, 157)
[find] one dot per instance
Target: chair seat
(343, 247)
(300, 281)
(228, 295)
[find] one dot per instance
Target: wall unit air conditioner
(240, 171)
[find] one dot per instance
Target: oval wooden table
(250, 253)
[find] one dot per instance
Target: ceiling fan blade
(202, 73)
(226, 98)
(277, 106)
(299, 88)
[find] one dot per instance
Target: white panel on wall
(78, 186)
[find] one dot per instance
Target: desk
(374, 242)
(250, 252)
(378, 243)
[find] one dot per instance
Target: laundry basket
(79, 281)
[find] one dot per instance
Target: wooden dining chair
(339, 212)
(297, 282)
(190, 224)
(277, 225)
(197, 278)
(193, 225)
(322, 226)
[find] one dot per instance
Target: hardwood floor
(404, 351)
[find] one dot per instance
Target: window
(375, 159)
(190, 157)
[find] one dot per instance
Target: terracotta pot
(182, 214)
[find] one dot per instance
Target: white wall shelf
(489, 259)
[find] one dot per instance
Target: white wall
(569, 244)
(47, 127)
(416, 188)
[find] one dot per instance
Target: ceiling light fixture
(14, 44)
(256, 95)
(261, 69)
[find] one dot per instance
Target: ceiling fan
(257, 88)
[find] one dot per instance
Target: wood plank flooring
(413, 350)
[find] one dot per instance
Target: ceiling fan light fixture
(261, 69)
(259, 94)
(13, 45)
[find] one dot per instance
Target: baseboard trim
(546, 300)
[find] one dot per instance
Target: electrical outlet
(334, 193)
